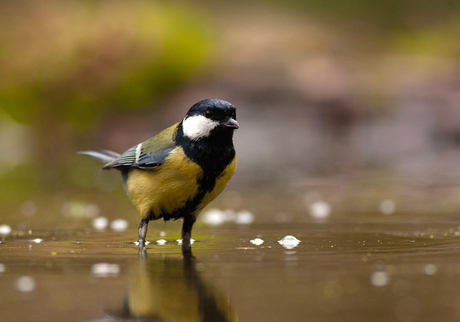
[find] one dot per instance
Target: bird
(177, 172)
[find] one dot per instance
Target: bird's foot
(141, 243)
(187, 250)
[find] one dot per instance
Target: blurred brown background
(353, 103)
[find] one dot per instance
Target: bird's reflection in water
(171, 289)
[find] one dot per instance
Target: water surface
(340, 271)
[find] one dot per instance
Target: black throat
(213, 153)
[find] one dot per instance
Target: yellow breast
(221, 183)
(166, 188)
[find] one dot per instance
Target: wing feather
(149, 154)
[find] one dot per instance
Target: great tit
(176, 173)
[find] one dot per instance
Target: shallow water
(341, 271)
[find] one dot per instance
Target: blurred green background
(353, 103)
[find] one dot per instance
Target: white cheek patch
(198, 126)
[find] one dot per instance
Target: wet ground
(350, 270)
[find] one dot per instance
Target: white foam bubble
(179, 241)
(214, 217)
(119, 225)
(244, 217)
(5, 230)
(100, 223)
(320, 210)
(25, 284)
(257, 241)
(289, 242)
(380, 278)
(137, 243)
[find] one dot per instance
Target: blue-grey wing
(149, 154)
(151, 160)
(136, 157)
(126, 160)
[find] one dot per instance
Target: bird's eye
(208, 113)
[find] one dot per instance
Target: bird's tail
(104, 156)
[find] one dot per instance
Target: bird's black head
(209, 117)
(206, 136)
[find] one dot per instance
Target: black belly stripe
(205, 185)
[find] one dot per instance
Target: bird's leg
(143, 231)
(187, 235)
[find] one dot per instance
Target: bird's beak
(231, 123)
